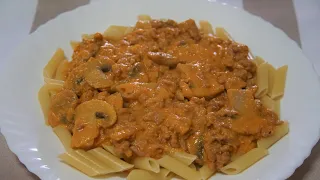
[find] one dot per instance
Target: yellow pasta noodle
(53, 81)
(45, 98)
(65, 137)
(50, 69)
(117, 32)
(206, 27)
(146, 163)
(178, 168)
(143, 17)
(110, 149)
(273, 105)
(244, 161)
(111, 160)
(279, 82)
(205, 172)
(184, 157)
(279, 132)
(87, 36)
(262, 80)
(79, 164)
(223, 34)
(74, 44)
(138, 174)
(62, 70)
(258, 60)
(271, 73)
(82, 164)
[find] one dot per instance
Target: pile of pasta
(103, 160)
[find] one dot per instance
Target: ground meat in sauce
(169, 85)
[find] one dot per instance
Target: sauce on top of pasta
(163, 87)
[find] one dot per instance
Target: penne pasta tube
(53, 81)
(223, 34)
(205, 172)
(206, 27)
(112, 161)
(143, 17)
(61, 73)
(271, 73)
(74, 44)
(45, 98)
(138, 174)
(279, 132)
(258, 60)
(184, 157)
(178, 168)
(50, 69)
(146, 163)
(64, 136)
(273, 105)
(262, 80)
(244, 161)
(117, 32)
(84, 165)
(279, 82)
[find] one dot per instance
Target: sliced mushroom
(90, 116)
(98, 74)
(162, 58)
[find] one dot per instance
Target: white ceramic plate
(36, 145)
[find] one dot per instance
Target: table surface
(299, 19)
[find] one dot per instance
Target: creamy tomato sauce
(173, 89)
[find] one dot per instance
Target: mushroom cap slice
(98, 73)
(90, 117)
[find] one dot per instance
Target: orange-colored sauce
(173, 88)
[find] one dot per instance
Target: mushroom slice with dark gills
(90, 117)
(99, 74)
(62, 108)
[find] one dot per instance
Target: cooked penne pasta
(53, 81)
(110, 149)
(258, 60)
(79, 164)
(244, 161)
(184, 157)
(273, 105)
(271, 73)
(279, 82)
(64, 136)
(178, 168)
(206, 27)
(44, 97)
(262, 80)
(279, 132)
(138, 174)
(144, 17)
(111, 160)
(146, 163)
(87, 36)
(205, 172)
(74, 44)
(117, 32)
(84, 165)
(222, 33)
(62, 70)
(51, 68)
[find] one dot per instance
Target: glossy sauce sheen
(168, 83)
